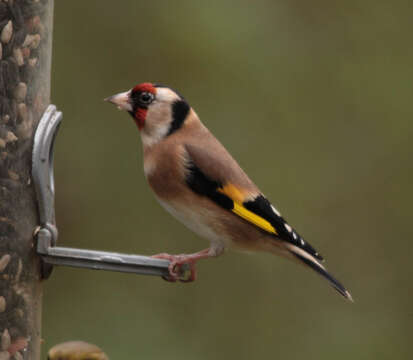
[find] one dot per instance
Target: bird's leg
(177, 261)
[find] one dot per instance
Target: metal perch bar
(99, 260)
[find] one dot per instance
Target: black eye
(146, 98)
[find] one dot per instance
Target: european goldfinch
(195, 179)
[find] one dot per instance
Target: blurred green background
(313, 98)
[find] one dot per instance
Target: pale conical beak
(121, 100)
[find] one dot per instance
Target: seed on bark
(5, 340)
(20, 92)
(2, 304)
(19, 271)
(18, 56)
(6, 33)
(35, 41)
(20, 313)
(25, 128)
(4, 261)
(10, 137)
(27, 40)
(32, 41)
(22, 111)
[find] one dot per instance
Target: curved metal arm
(43, 179)
(42, 166)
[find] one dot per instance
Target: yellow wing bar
(238, 197)
(233, 192)
(253, 218)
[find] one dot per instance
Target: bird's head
(157, 110)
(76, 350)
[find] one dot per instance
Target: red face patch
(140, 116)
(145, 87)
(139, 97)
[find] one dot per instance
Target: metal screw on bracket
(46, 235)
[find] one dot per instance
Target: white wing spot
(294, 236)
(302, 242)
(275, 210)
(288, 227)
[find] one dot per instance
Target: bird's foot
(180, 264)
(17, 345)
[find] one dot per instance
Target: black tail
(323, 272)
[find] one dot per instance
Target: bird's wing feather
(218, 176)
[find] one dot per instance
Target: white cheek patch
(166, 95)
(157, 122)
(158, 117)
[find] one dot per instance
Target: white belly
(196, 221)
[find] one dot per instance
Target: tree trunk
(25, 35)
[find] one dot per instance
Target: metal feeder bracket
(46, 234)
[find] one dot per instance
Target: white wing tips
(314, 264)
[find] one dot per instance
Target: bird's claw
(181, 268)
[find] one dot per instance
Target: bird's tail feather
(320, 269)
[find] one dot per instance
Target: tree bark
(25, 35)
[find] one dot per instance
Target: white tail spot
(275, 210)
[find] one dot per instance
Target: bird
(76, 350)
(198, 182)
